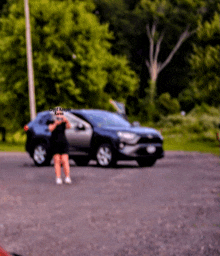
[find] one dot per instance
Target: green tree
(205, 63)
(172, 18)
(164, 18)
(61, 31)
(122, 22)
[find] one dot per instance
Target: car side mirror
(136, 124)
(80, 127)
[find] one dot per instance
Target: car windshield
(104, 118)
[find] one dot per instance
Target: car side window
(72, 119)
(45, 118)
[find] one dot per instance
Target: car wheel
(40, 155)
(81, 161)
(105, 155)
(146, 162)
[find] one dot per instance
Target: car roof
(75, 111)
(84, 111)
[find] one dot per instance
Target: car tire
(146, 162)
(81, 161)
(41, 155)
(105, 155)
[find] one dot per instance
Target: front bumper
(140, 151)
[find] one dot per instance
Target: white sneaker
(68, 180)
(59, 181)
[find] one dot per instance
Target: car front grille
(149, 140)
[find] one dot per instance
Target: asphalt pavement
(170, 209)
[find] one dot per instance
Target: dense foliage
(61, 30)
(110, 42)
(128, 20)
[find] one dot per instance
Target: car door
(79, 135)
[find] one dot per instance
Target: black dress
(59, 143)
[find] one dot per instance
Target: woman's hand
(64, 119)
(54, 125)
(58, 122)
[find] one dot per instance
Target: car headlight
(126, 135)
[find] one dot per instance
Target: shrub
(194, 128)
(171, 120)
(187, 99)
(17, 137)
(208, 136)
(204, 109)
(166, 105)
(208, 122)
(199, 120)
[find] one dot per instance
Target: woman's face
(59, 114)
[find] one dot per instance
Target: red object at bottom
(3, 252)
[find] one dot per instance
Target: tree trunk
(156, 67)
(151, 103)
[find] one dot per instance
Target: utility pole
(29, 62)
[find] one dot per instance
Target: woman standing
(60, 146)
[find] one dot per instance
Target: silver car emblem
(150, 136)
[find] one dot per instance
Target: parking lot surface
(172, 208)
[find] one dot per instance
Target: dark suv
(95, 134)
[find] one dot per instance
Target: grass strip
(12, 147)
(181, 142)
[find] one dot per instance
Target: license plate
(151, 149)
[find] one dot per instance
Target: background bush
(166, 105)
(201, 123)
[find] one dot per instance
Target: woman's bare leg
(57, 165)
(66, 166)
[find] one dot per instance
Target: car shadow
(119, 165)
(92, 163)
